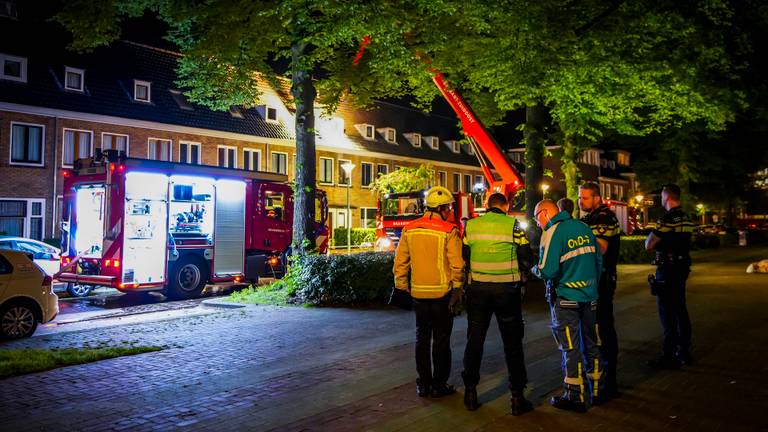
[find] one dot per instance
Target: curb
(216, 303)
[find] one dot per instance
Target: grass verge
(15, 362)
(273, 294)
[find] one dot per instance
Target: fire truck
(147, 225)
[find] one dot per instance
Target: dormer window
(390, 134)
(434, 142)
(414, 138)
(235, 112)
(13, 68)
(453, 145)
(142, 91)
(470, 150)
(271, 115)
(367, 131)
(74, 79)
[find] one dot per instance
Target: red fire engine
(146, 225)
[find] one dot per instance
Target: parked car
(45, 256)
(26, 295)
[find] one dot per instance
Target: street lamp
(348, 167)
(544, 189)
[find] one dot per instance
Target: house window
(280, 163)
(344, 179)
(434, 142)
(366, 174)
(227, 157)
(367, 217)
(27, 144)
(416, 140)
(442, 178)
(13, 68)
(453, 145)
(114, 142)
(77, 145)
(252, 159)
(470, 150)
(382, 169)
(467, 183)
(189, 153)
(159, 149)
(142, 91)
(22, 217)
(390, 135)
(74, 79)
(369, 132)
(271, 115)
(326, 170)
(456, 182)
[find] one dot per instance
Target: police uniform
(605, 226)
(673, 264)
(498, 252)
(570, 262)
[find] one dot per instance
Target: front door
(338, 219)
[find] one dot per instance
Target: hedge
(358, 236)
(632, 251)
(361, 278)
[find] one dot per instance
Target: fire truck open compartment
(146, 203)
(90, 201)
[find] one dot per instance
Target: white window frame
(218, 155)
(453, 145)
(392, 131)
(470, 150)
(373, 174)
(81, 72)
(22, 70)
(456, 177)
(442, 178)
(42, 145)
(63, 143)
(170, 147)
(416, 139)
(272, 168)
(28, 217)
(363, 219)
(254, 167)
(189, 145)
(370, 132)
(148, 85)
(340, 163)
(267, 118)
(127, 140)
(321, 180)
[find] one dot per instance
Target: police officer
(570, 264)
(428, 264)
(606, 230)
(671, 240)
(499, 253)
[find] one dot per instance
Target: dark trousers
(673, 310)
(434, 324)
(573, 326)
(485, 299)
(607, 340)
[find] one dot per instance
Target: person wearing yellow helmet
(429, 265)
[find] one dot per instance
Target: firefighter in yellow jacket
(429, 265)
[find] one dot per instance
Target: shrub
(358, 236)
(632, 251)
(361, 278)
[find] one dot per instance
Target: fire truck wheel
(188, 278)
(77, 290)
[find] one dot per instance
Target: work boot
(563, 403)
(664, 362)
(519, 405)
(470, 399)
(440, 390)
(423, 389)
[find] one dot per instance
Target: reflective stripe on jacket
(493, 248)
(428, 260)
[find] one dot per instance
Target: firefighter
(671, 240)
(499, 255)
(428, 264)
(605, 227)
(570, 265)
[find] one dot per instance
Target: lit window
(114, 142)
(74, 79)
(77, 145)
(142, 91)
(159, 149)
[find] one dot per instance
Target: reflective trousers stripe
(484, 277)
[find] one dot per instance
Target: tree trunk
(303, 91)
(535, 123)
(570, 169)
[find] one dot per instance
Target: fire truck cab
(146, 225)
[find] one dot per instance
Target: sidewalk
(297, 369)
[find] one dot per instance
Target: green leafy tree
(404, 179)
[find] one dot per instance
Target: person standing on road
(499, 256)
(671, 240)
(605, 227)
(570, 264)
(429, 265)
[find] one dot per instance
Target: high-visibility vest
(493, 256)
